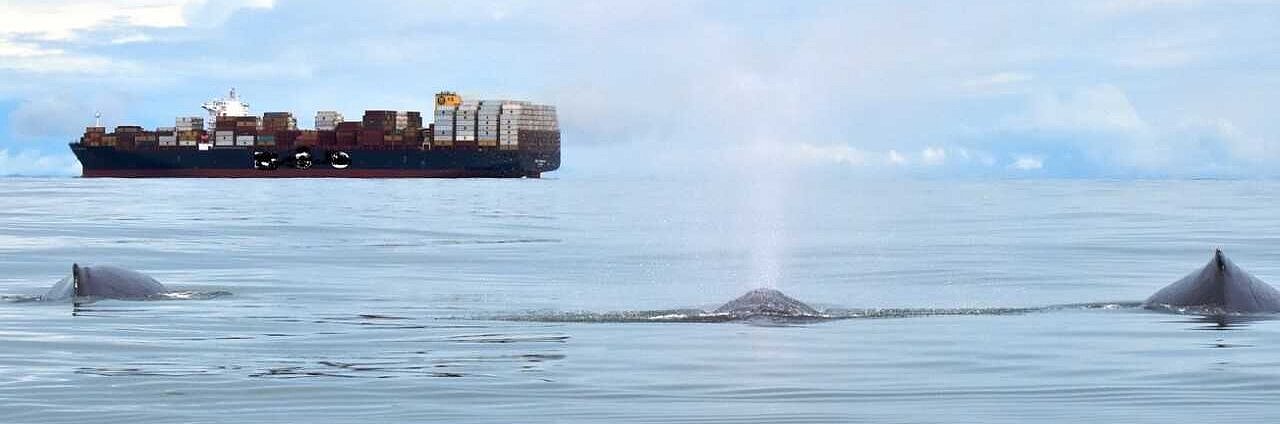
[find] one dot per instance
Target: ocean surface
(381, 301)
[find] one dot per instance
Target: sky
(938, 89)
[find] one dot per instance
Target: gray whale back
(766, 303)
(105, 281)
(1219, 285)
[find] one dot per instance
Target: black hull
(239, 162)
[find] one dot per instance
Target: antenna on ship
(97, 118)
(232, 96)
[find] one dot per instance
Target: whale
(766, 303)
(1218, 287)
(105, 282)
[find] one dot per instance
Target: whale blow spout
(1218, 287)
(767, 303)
(105, 281)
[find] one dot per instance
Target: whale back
(105, 281)
(1220, 285)
(768, 303)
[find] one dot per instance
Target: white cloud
(64, 19)
(68, 64)
(33, 164)
(1122, 7)
(934, 156)
(131, 38)
(1027, 163)
(32, 31)
(1097, 108)
(1003, 82)
(839, 154)
(896, 158)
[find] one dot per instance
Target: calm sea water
(373, 301)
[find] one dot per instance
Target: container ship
(486, 138)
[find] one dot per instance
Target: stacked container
(248, 124)
(487, 123)
(381, 120)
(464, 124)
(189, 138)
(442, 130)
(145, 139)
(167, 136)
(265, 140)
(189, 123)
(347, 133)
(524, 116)
(278, 121)
(408, 121)
(327, 120)
(389, 127)
(93, 136)
(224, 138)
(309, 138)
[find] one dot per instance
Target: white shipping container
(186, 142)
(223, 143)
(168, 143)
(165, 129)
(224, 133)
(167, 138)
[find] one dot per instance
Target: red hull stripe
(300, 173)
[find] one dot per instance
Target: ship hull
(110, 162)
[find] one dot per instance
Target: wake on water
(168, 295)
(831, 314)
